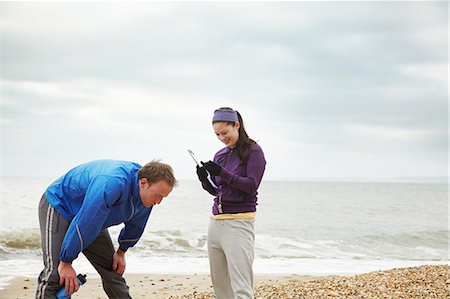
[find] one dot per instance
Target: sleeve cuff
(226, 175)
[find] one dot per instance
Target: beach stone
(425, 282)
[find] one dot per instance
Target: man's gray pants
(231, 252)
(99, 253)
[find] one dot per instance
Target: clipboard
(191, 153)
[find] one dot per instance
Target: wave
(419, 245)
(422, 245)
(425, 245)
(172, 243)
(21, 239)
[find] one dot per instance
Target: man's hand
(119, 262)
(68, 277)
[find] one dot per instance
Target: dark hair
(244, 143)
(155, 171)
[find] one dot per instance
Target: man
(76, 210)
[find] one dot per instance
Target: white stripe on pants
(231, 253)
(99, 253)
(53, 229)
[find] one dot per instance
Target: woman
(236, 173)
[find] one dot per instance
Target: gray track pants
(99, 253)
(231, 252)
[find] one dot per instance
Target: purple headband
(225, 115)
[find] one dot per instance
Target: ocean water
(304, 228)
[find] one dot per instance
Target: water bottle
(61, 294)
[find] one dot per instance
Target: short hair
(155, 171)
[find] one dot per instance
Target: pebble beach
(415, 282)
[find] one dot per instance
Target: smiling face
(227, 133)
(153, 194)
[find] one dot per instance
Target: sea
(302, 228)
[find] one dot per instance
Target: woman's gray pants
(99, 253)
(231, 251)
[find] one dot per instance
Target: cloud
(329, 88)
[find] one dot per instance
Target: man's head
(156, 181)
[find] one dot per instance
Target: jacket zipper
(219, 203)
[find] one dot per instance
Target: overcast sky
(329, 89)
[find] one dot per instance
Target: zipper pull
(219, 205)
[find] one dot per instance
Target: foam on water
(177, 244)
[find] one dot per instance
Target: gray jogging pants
(231, 253)
(99, 253)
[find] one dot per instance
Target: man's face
(153, 194)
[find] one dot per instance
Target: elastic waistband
(248, 215)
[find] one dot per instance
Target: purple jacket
(237, 182)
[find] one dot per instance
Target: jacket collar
(135, 187)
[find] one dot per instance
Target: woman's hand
(212, 167)
(201, 173)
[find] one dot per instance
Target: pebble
(425, 282)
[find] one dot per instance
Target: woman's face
(227, 133)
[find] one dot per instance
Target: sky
(330, 90)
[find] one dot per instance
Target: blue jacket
(95, 196)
